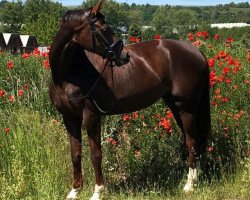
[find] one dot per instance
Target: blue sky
(163, 2)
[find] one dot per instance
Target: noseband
(113, 50)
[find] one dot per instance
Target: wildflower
(2, 93)
(217, 91)
(157, 37)
(248, 57)
(169, 114)
(132, 39)
(225, 100)
(137, 40)
(25, 86)
(197, 43)
(11, 98)
(229, 80)
(135, 115)
(229, 40)
(20, 93)
(210, 149)
(45, 54)
(245, 81)
(25, 55)
(190, 37)
(10, 64)
(36, 52)
(46, 64)
(226, 70)
(125, 117)
(165, 124)
(216, 36)
(7, 130)
(211, 62)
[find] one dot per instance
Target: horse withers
(85, 87)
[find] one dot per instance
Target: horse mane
(74, 15)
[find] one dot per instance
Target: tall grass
(142, 158)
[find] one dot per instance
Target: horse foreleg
(93, 125)
(193, 145)
(73, 126)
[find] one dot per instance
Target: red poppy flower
(197, 43)
(36, 52)
(137, 40)
(226, 70)
(165, 124)
(157, 37)
(25, 55)
(135, 115)
(45, 54)
(190, 37)
(7, 130)
(132, 39)
(125, 117)
(211, 62)
(11, 98)
(229, 40)
(216, 36)
(25, 86)
(20, 93)
(46, 64)
(248, 57)
(169, 114)
(10, 64)
(2, 93)
(229, 80)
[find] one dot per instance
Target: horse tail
(203, 114)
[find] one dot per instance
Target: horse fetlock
(192, 179)
(97, 193)
(73, 194)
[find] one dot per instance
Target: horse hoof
(73, 194)
(189, 187)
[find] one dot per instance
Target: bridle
(112, 50)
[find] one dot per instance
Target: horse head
(96, 36)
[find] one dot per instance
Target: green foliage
(44, 28)
(13, 16)
(135, 30)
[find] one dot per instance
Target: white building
(229, 25)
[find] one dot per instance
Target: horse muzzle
(117, 53)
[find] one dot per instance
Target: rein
(91, 89)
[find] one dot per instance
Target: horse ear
(97, 7)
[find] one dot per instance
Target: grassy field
(142, 159)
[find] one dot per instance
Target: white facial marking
(192, 178)
(73, 194)
(97, 192)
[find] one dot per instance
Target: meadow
(143, 152)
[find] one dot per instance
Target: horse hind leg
(188, 123)
(73, 126)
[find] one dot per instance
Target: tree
(114, 13)
(12, 17)
(42, 19)
(162, 19)
(135, 30)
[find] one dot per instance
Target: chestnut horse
(94, 75)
